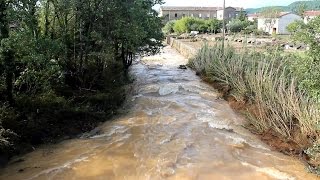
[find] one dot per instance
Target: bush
(237, 26)
(7, 137)
(168, 28)
(188, 24)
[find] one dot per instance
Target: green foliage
(168, 28)
(306, 67)
(309, 5)
(188, 24)
(295, 26)
(214, 25)
(236, 25)
(68, 56)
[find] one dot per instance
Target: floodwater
(176, 128)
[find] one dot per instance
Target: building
(230, 13)
(252, 17)
(277, 25)
(309, 15)
(177, 12)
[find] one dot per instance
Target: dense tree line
(67, 55)
(188, 24)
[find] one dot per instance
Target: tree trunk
(7, 53)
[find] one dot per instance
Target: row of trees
(188, 24)
(56, 51)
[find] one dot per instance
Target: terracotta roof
(281, 14)
(253, 15)
(312, 13)
(187, 8)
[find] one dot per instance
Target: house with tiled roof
(177, 12)
(278, 23)
(309, 15)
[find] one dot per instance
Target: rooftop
(278, 15)
(194, 8)
(188, 8)
(312, 13)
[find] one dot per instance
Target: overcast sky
(235, 3)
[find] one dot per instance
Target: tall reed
(264, 80)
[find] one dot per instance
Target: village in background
(259, 27)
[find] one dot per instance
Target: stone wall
(184, 49)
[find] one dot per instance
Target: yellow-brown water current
(176, 128)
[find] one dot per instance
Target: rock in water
(183, 67)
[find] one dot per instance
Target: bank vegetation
(277, 91)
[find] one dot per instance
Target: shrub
(237, 26)
(168, 28)
(7, 137)
(187, 24)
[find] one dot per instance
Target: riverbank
(176, 127)
(59, 118)
(294, 143)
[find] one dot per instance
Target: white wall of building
(279, 25)
(220, 14)
(308, 18)
(285, 20)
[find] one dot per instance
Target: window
(175, 15)
(230, 15)
(208, 15)
(200, 15)
(191, 15)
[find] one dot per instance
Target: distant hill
(310, 5)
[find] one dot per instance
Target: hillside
(310, 5)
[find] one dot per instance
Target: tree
(55, 51)
(236, 25)
(295, 27)
(214, 25)
(300, 10)
(168, 28)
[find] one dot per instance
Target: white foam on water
(58, 169)
(275, 173)
(238, 140)
(135, 97)
(168, 89)
(114, 130)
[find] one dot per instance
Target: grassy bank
(266, 89)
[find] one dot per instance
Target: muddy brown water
(177, 128)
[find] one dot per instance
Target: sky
(234, 3)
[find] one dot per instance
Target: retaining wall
(184, 49)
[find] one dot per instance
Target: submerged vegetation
(63, 64)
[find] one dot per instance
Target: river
(177, 127)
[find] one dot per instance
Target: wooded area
(64, 63)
